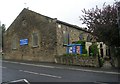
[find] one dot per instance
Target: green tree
(94, 49)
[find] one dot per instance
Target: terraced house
(36, 37)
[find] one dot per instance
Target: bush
(94, 49)
(84, 51)
(84, 55)
(80, 42)
(101, 62)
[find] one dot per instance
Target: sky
(64, 10)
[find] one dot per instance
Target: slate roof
(58, 21)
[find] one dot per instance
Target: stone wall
(23, 27)
(50, 35)
(74, 35)
(81, 61)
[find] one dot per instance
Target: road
(54, 73)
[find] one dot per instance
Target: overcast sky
(64, 10)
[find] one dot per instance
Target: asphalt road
(53, 73)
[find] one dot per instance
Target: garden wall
(78, 60)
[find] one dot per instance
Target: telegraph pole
(118, 18)
(118, 21)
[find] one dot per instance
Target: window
(81, 36)
(14, 43)
(65, 38)
(35, 40)
(89, 38)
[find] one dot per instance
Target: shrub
(84, 51)
(80, 42)
(84, 55)
(94, 49)
(101, 62)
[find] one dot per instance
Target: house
(36, 37)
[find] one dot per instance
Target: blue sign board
(74, 49)
(23, 41)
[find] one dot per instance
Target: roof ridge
(58, 21)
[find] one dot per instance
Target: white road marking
(20, 70)
(3, 67)
(85, 70)
(30, 64)
(107, 72)
(42, 74)
(20, 80)
(100, 83)
(50, 75)
(37, 65)
(11, 62)
(31, 72)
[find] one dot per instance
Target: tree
(103, 23)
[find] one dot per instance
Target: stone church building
(36, 37)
